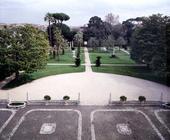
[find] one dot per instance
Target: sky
(80, 11)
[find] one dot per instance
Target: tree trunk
(54, 54)
(78, 51)
(16, 74)
(58, 53)
(63, 52)
(50, 33)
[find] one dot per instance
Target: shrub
(123, 98)
(47, 97)
(142, 98)
(77, 62)
(66, 97)
(98, 62)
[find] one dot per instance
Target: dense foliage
(149, 43)
(22, 49)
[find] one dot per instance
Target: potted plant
(142, 99)
(16, 104)
(66, 98)
(47, 98)
(123, 99)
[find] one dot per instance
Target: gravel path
(87, 61)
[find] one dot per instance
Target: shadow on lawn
(24, 78)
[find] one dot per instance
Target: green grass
(139, 72)
(53, 70)
(67, 58)
(49, 70)
(121, 58)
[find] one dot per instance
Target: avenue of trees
(22, 48)
(59, 34)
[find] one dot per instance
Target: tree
(48, 17)
(79, 41)
(97, 29)
(60, 17)
(26, 49)
(168, 52)
(109, 43)
(149, 43)
(93, 42)
(129, 27)
(112, 19)
(57, 19)
(121, 42)
(58, 41)
(5, 39)
(65, 30)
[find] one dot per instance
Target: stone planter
(16, 104)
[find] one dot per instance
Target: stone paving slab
(123, 125)
(52, 124)
(5, 116)
(85, 123)
(164, 118)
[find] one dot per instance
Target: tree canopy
(22, 49)
(149, 43)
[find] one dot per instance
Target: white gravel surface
(94, 88)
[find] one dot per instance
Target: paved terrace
(84, 123)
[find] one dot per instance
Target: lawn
(53, 70)
(67, 58)
(121, 58)
(49, 70)
(139, 72)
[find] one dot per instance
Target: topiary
(123, 98)
(98, 62)
(47, 97)
(77, 62)
(66, 97)
(142, 98)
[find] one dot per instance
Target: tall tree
(60, 17)
(79, 41)
(149, 43)
(112, 19)
(121, 42)
(58, 40)
(93, 43)
(96, 28)
(25, 50)
(48, 17)
(5, 44)
(168, 52)
(110, 44)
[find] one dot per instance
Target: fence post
(27, 97)
(79, 97)
(8, 97)
(110, 98)
(161, 97)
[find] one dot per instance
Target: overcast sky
(80, 11)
